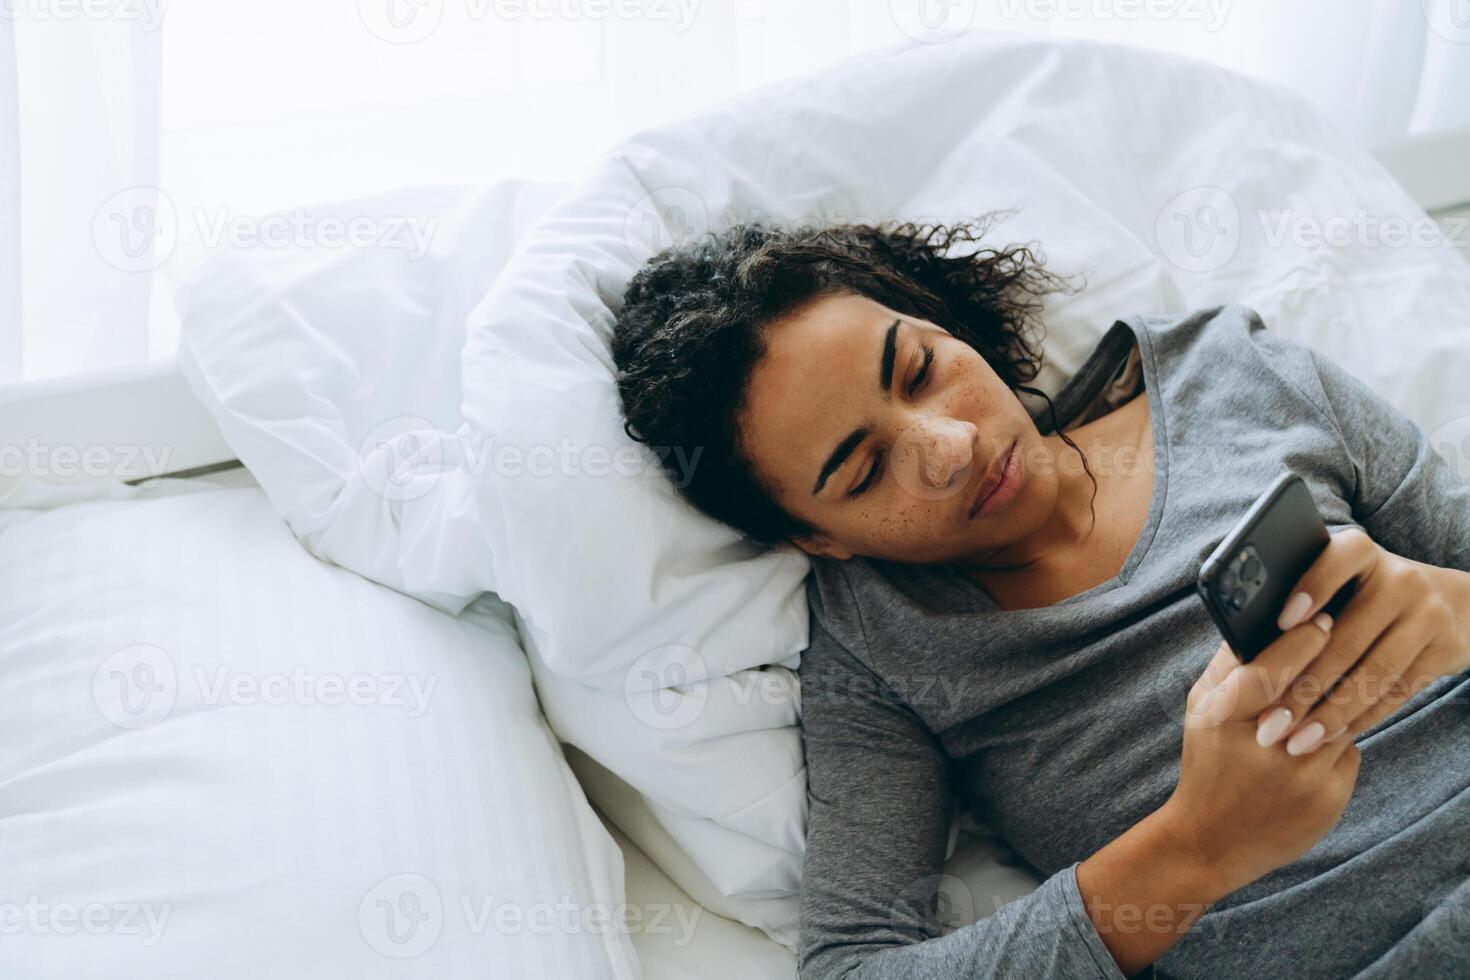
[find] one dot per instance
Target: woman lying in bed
(1003, 613)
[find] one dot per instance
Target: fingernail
(1294, 611)
(1306, 740)
(1273, 726)
(1323, 621)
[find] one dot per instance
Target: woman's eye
(868, 480)
(923, 371)
(913, 386)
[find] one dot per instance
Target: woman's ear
(819, 546)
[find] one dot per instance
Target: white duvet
(661, 646)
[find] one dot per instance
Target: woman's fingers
(1349, 554)
(1246, 689)
(1378, 674)
(1411, 683)
(1361, 627)
(1221, 664)
(1203, 705)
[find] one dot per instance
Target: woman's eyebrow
(856, 436)
(890, 350)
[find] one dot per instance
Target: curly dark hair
(691, 331)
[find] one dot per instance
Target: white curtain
(240, 110)
(1381, 69)
(10, 306)
(84, 161)
(1444, 93)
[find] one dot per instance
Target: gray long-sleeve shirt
(1061, 725)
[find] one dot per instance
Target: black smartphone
(1248, 578)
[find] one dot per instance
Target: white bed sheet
(689, 942)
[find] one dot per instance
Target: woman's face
(882, 431)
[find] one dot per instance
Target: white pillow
(332, 368)
(221, 757)
(644, 619)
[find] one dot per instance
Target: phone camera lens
(1228, 581)
(1237, 600)
(1251, 569)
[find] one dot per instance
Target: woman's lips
(999, 490)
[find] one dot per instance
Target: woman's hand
(1239, 811)
(1406, 625)
(1251, 807)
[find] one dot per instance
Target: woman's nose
(948, 448)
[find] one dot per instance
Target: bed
(713, 889)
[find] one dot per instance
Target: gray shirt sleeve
(1406, 495)
(878, 826)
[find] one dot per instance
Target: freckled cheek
(994, 411)
(911, 520)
